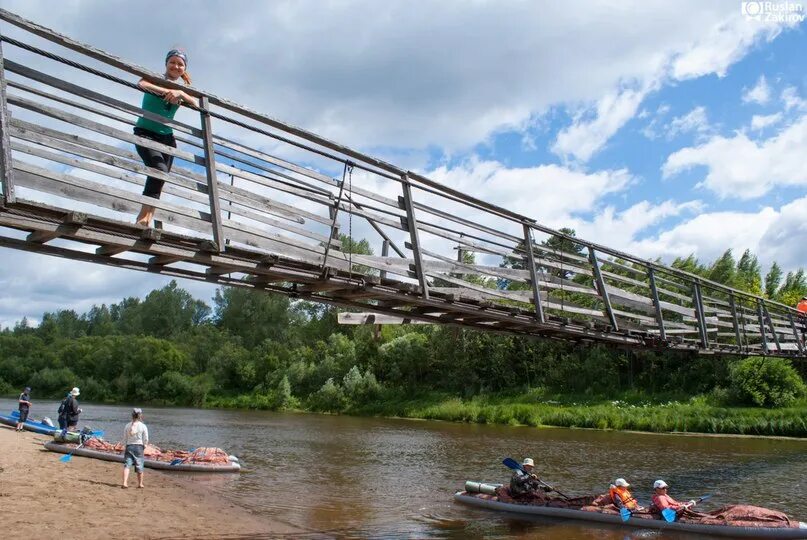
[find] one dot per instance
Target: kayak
(492, 502)
(29, 425)
(230, 467)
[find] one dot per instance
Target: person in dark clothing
(72, 409)
(25, 407)
(525, 484)
(63, 412)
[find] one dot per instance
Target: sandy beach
(45, 498)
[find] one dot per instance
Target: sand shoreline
(83, 499)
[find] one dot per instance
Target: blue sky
(658, 128)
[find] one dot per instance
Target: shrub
(765, 382)
(284, 399)
(330, 397)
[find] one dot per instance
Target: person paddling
(662, 501)
(621, 497)
(525, 484)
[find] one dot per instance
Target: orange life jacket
(802, 307)
(622, 497)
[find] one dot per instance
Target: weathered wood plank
(344, 317)
(6, 167)
(210, 171)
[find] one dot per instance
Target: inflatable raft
(188, 466)
(29, 425)
(492, 502)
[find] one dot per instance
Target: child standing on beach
(25, 407)
(135, 439)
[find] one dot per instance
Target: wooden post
(762, 328)
(536, 291)
(595, 266)
(770, 323)
(384, 253)
(799, 343)
(412, 225)
(212, 179)
(6, 166)
(651, 274)
(700, 316)
(735, 322)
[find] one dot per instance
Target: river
(339, 476)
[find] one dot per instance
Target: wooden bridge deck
(259, 203)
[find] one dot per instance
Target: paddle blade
(704, 498)
(176, 461)
(66, 458)
(625, 513)
(511, 463)
(669, 515)
(98, 434)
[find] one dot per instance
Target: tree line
(256, 349)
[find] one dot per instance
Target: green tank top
(156, 105)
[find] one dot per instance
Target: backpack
(63, 407)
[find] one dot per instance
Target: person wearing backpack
(63, 412)
(72, 409)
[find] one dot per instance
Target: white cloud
(584, 138)
(721, 43)
(792, 100)
(760, 122)
(760, 93)
(448, 74)
(741, 168)
(785, 235)
(726, 230)
(695, 121)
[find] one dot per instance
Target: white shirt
(141, 434)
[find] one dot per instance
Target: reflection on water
(367, 477)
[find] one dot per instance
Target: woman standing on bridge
(163, 102)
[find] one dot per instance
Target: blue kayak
(30, 425)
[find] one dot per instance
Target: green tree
(772, 280)
(723, 270)
(749, 274)
(251, 315)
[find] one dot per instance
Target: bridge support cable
(536, 292)
(414, 237)
(212, 178)
(606, 300)
(651, 275)
(6, 168)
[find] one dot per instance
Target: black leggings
(156, 159)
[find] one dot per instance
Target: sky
(659, 128)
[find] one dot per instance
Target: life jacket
(802, 307)
(622, 497)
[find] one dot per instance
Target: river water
(339, 476)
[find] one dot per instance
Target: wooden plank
(592, 255)
(97, 97)
(6, 167)
(651, 275)
(148, 143)
(126, 165)
(770, 325)
(762, 328)
(699, 314)
(210, 171)
(534, 285)
(346, 317)
(414, 237)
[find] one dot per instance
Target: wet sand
(45, 498)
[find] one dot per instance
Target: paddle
(511, 463)
(625, 513)
(68, 457)
(177, 461)
(671, 515)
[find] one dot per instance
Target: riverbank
(83, 499)
(534, 409)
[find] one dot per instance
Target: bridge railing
(244, 180)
